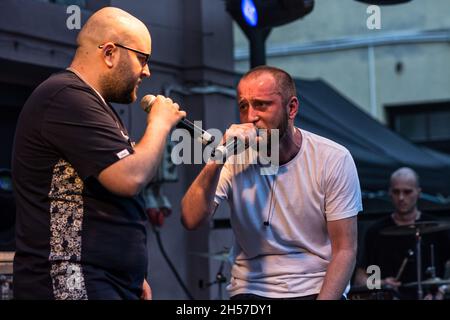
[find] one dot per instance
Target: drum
(6, 275)
(363, 293)
(6, 289)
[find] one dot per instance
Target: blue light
(249, 12)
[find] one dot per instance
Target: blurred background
(375, 79)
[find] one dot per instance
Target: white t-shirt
(289, 257)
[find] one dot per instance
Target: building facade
(392, 61)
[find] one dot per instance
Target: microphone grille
(147, 101)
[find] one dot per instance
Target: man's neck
(83, 76)
(406, 219)
(290, 145)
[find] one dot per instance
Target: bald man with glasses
(77, 175)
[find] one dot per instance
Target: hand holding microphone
(237, 138)
(162, 110)
(205, 138)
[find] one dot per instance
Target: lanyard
(109, 109)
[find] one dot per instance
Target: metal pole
(257, 39)
(432, 268)
(419, 265)
(372, 81)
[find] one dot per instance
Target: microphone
(204, 137)
(223, 151)
(233, 146)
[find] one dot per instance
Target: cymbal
(429, 282)
(220, 256)
(423, 227)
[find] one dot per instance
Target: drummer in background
(395, 255)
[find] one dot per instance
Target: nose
(252, 114)
(146, 71)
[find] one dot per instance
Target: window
(426, 124)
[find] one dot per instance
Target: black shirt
(74, 238)
(388, 252)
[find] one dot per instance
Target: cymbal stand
(432, 269)
(220, 280)
(419, 264)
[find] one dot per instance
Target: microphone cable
(169, 262)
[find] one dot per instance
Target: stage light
(262, 14)
(249, 12)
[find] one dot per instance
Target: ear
(293, 107)
(108, 54)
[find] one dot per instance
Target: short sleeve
(342, 189)
(78, 125)
(224, 186)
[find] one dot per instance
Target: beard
(282, 128)
(120, 85)
(283, 125)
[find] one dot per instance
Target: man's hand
(164, 113)
(245, 132)
(391, 282)
(146, 291)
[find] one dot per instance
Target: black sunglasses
(145, 56)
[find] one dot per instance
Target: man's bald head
(405, 191)
(115, 25)
(112, 54)
(405, 173)
(112, 25)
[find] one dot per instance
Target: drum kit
(223, 257)
(6, 273)
(417, 230)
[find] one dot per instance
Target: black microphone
(204, 137)
(223, 151)
(231, 147)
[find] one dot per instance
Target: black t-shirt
(388, 252)
(74, 238)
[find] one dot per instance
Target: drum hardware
(418, 229)
(364, 293)
(6, 275)
(223, 257)
(429, 282)
(220, 256)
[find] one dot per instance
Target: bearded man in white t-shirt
(295, 231)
